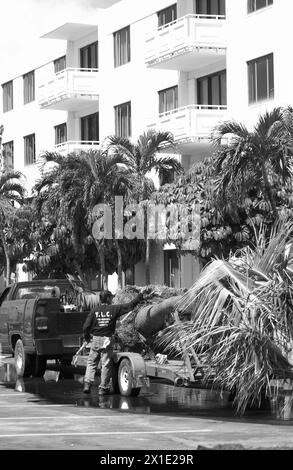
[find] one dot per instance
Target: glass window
(261, 79)
(29, 149)
(167, 15)
(123, 120)
(210, 7)
(8, 156)
(168, 99)
(122, 47)
(212, 89)
(7, 89)
(89, 56)
(253, 5)
(60, 133)
(60, 64)
(90, 127)
(29, 87)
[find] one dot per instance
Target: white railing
(76, 145)
(190, 31)
(190, 123)
(67, 83)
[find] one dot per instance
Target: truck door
(4, 312)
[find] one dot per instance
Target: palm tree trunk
(147, 263)
(102, 264)
(119, 266)
(268, 188)
(7, 257)
(80, 273)
(103, 269)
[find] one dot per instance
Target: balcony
(76, 146)
(185, 44)
(70, 89)
(191, 125)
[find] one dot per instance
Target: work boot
(87, 387)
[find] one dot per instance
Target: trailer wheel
(23, 362)
(125, 380)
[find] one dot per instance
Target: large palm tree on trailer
(11, 191)
(253, 159)
(143, 159)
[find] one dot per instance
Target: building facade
(181, 67)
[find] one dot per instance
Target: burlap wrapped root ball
(136, 331)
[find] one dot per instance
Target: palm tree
(253, 159)
(11, 192)
(79, 182)
(142, 159)
(242, 317)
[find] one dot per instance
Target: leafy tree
(143, 158)
(251, 160)
(73, 187)
(11, 192)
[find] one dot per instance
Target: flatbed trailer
(132, 371)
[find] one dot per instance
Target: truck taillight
(42, 323)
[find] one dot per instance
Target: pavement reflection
(64, 386)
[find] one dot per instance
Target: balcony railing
(76, 145)
(193, 123)
(186, 34)
(69, 84)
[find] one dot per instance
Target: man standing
(101, 323)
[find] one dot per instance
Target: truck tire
(23, 362)
(125, 380)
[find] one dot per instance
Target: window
(253, 5)
(89, 56)
(122, 47)
(168, 99)
(29, 149)
(60, 133)
(90, 127)
(8, 156)
(212, 89)
(167, 15)
(210, 7)
(60, 64)
(7, 96)
(29, 87)
(261, 78)
(123, 120)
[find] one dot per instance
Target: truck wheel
(23, 362)
(40, 364)
(125, 380)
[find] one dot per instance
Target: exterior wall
(251, 36)
(248, 37)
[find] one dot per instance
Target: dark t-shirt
(101, 321)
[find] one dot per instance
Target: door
(4, 311)
(172, 268)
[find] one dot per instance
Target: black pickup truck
(39, 320)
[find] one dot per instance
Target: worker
(100, 324)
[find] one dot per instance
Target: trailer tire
(125, 380)
(23, 361)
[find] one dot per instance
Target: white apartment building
(181, 67)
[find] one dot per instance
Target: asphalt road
(53, 413)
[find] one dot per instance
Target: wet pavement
(53, 413)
